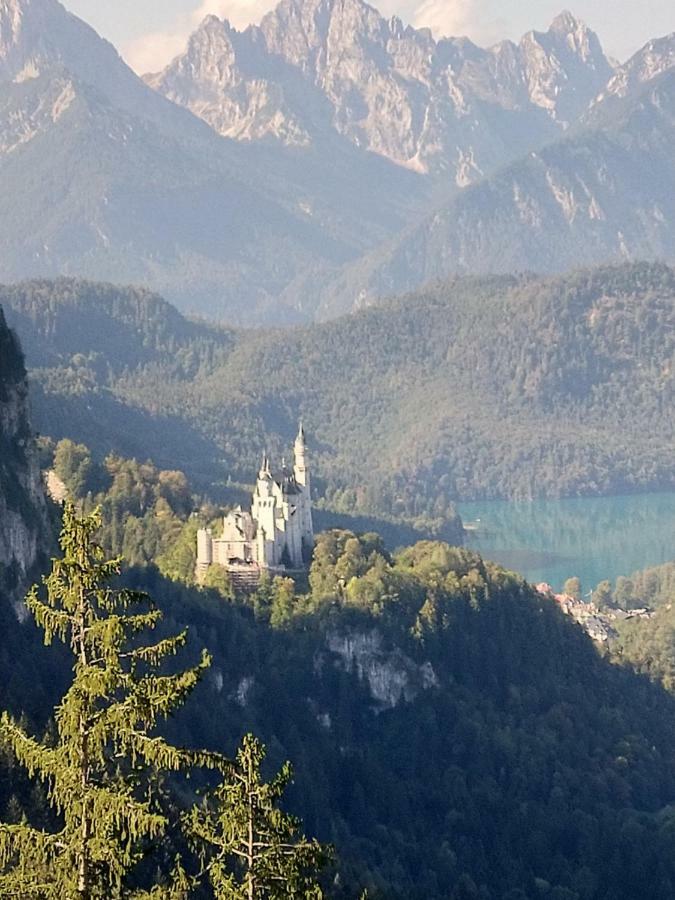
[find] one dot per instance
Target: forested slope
(498, 387)
(453, 734)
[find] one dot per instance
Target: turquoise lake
(591, 537)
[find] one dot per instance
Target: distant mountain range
(315, 68)
(305, 166)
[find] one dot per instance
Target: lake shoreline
(591, 537)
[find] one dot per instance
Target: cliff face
(23, 519)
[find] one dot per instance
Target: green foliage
(500, 387)
(449, 727)
(572, 588)
(73, 465)
(250, 848)
(145, 510)
(101, 768)
(602, 595)
(217, 577)
(648, 644)
(452, 731)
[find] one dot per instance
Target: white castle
(276, 534)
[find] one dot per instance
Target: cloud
(444, 17)
(153, 51)
(450, 18)
(239, 12)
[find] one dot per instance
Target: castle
(277, 534)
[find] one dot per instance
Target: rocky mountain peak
(40, 37)
(652, 60)
(391, 89)
(301, 31)
(565, 67)
(42, 31)
(580, 39)
(567, 23)
(211, 42)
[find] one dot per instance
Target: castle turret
(302, 479)
(301, 468)
(264, 468)
(204, 551)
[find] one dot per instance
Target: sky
(149, 33)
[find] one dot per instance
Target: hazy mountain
(605, 192)
(37, 36)
(653, 59)
(316, 67)
(318, 160)
(101, 176)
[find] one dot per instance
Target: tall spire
(300, 468)
(265, 465)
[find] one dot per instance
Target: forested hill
(452, 732)
(121, 327)
(498, 387)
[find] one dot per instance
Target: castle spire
(265, 465)
(301, 468)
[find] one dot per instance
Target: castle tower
(301, 468)
(302, 478)
(204, 549)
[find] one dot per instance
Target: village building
(276, 534)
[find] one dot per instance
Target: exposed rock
(148, 193)
(652, 60)
(392, 677)
(23, 519)
(581, 201)
(446, 106)
(243, 691)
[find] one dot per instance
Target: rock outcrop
(391, 676)
(23, 518)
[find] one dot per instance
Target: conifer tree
(100, 768)
(251, 849)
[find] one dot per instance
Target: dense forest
(510, 387)
(646, 644)
(453, 734)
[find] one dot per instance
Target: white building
(277, 533)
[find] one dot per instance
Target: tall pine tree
(101, 769)
(251, 849)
